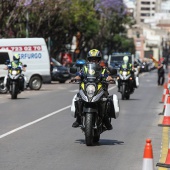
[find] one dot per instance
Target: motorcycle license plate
(65, 75)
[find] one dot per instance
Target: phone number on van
(22, 48)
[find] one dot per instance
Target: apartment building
(163, 6)
(145, 9)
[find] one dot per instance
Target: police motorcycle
(14, 81)
(92, 103)
(125, 82)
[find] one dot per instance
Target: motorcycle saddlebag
(76, 106)
(113, 106)
(73, 108)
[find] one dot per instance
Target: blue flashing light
(80, 62)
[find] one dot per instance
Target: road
(36, 132)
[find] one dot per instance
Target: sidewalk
(165, 133)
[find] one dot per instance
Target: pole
(27, 24)
(49, 45)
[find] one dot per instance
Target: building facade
(145, 9)
(153, 20)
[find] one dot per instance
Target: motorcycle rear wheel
(89, 129)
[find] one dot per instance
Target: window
(145, 14)
(4, 57)
(146, 9)
(119, 59)
(145, 3)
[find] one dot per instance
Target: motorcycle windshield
(93, 71)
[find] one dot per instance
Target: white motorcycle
(14, 81)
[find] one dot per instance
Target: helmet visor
(94, 59)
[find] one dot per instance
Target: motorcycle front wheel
(96, 138)
(89, 129)
(13, 91)
(123, 91)
(128, 96)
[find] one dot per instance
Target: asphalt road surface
(36, 132)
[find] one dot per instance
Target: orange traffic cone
(148, 156)
(168, 85)
(165, 100)
(165, 85)
(167, 162)
(166, 119)
(164, 92)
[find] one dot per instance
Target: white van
(4, 56)
(33, 52)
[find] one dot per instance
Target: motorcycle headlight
(14, 72)
(124, 73)
(90, 90)
(55, 69)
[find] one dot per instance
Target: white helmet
(125, 59)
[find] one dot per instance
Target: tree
(113, 19)
(100, 23)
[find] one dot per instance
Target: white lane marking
(112, 87)
(38, 120)
(33, 122)
(74, 90)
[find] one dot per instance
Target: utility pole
(27, 24)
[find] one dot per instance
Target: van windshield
(118, 59)
(55, 62)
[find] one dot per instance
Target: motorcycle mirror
(7, 62)
(112, 71)
(73, 70)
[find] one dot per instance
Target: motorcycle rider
(129, 67)
(16, 64)
(95, 56)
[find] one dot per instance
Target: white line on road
(33, 122)
(112, 87)
(38, 120)
(74, 90)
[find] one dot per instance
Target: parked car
(59, 72)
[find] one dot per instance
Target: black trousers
(161, 78)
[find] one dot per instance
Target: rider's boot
(107, 122)
(135, 86)
(118, 85)
(77, 122)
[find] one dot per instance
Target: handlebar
(76, 81)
